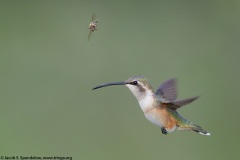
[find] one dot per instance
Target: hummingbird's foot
(164, 131)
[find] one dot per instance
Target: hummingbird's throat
(137, 91)
(144, 96)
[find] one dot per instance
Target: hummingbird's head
(138, 85)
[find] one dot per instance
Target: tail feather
(191, 126)
(199, 130)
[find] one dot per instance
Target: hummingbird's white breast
(148, 104)
(145, 98)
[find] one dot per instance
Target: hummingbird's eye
(134, 83)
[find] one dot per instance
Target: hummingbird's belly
(161, 118)
(154, 119)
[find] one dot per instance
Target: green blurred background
(48, 68)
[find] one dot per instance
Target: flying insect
(92, 26)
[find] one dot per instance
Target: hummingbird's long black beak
(109, 84)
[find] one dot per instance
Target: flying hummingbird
(92, 26)
(160, 107)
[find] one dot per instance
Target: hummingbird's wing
(168, 90)
(183, 102)
(174, 105)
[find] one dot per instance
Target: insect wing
(89, 35)
(93, 17)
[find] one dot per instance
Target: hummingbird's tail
(196, 128)
(199, 129)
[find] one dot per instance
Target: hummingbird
(92, 26)
(160, 107)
